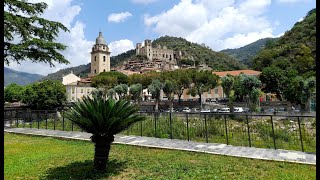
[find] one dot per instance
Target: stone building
(157, 53)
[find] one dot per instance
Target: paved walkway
(212, 148)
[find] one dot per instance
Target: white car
(238, 110)
(205, 110)
(186, 109)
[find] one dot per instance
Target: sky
(220, 24)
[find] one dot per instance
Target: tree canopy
(35, 35)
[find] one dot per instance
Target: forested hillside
(246, 53)
(200, 53)
(289, 65)
(296, 49)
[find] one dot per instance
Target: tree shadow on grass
(84, 170)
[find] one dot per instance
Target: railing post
(188, 127)
(155, 124)
(46, 116)
(31, 118)
(225, 124)
(273, 135)
(71, 125)
(11, 118)
(54, 123)
(300, 134)
(205, 125)
(140, 126)
(24, 119)
(170, 125)
(38, 120)
(62, 120)
(249, 138)
(17, 120)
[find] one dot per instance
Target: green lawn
(31, 157)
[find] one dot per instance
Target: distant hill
(200, 53)
(246, 53)
(295, 50)
(21, 78)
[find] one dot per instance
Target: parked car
(215, 110)
(205, 110)
(282, 109)
(196, 109)
(238, 110)
(186, 109)
(246, 110)
(271, 110)
(224, 110)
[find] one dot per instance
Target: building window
(163, 55)
(95, 58)
(95, 71)
(149, 54)
(166, 55)
(81, 90)
(104, 58)
(216, 91)
(104, 70)
(104, 47)
(72, 90)
(72, 98)
(88, 91)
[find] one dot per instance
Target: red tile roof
(237, 72)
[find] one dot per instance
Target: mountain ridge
(18, 77)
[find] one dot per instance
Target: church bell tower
(100, 56)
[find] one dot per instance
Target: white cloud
(219, 24)
(118, 17)
(143, 1)
(118, 47)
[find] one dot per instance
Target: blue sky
(220, 24)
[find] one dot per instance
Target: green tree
(111, 93)
(202, 81)
(272, 79)
(169, 89)
(103, 119)
(227, 83)
(110, 79)
(155, 89)
(135, 90)
(250, 86)
(121, 90)
(183, 81)
(47, 94)
(36, 35)
(13, 93)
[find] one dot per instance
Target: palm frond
(103, 117)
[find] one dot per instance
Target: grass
(32, 157)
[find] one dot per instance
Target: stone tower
(100, 56)
(148, 48)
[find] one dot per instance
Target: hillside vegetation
(200, 53)
(246, 53)
(295, 50)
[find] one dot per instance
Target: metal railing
(292, 132)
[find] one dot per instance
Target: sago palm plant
(103, 118)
